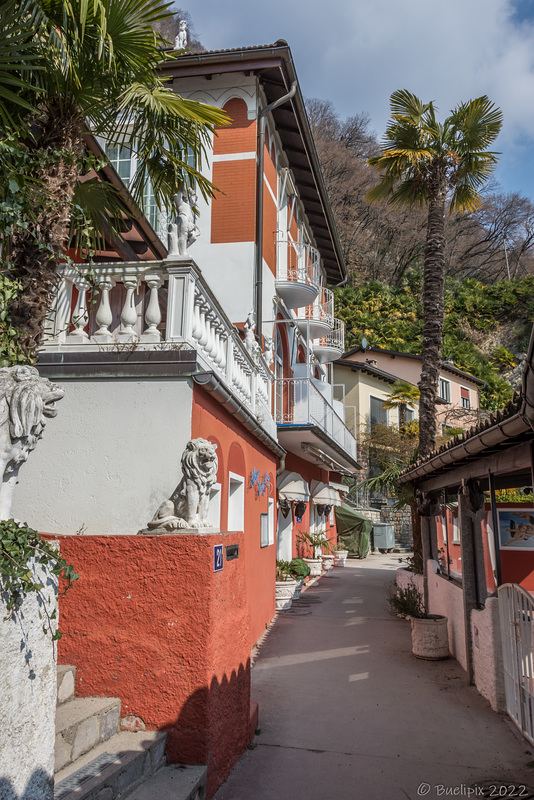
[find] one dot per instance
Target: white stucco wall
(487, 653)
(109, 458)
(28, 702)
(446, 598)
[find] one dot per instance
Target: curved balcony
(331, 346)
(298, 273)
(317, 319)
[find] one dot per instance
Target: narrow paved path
(346, 711)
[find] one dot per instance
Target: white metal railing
(157, 304)
(297, 262)
(321, 310)
(335, 339)
(299, 402)
(516, 613)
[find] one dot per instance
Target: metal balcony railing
(317, 317)
(299, 402)
(298, 271)
(331, 346)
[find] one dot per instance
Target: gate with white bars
(516, 612)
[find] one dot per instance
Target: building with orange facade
(231, 342)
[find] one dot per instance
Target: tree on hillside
(66, 68)
(435, 165)
(403, 395)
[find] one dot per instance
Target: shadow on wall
(40, 787)
(213, 727)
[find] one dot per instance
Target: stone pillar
(28, 692)
(473, 574)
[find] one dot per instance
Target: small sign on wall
(218, 562)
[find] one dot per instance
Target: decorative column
(153, 311)
(104, 317)
(80, 316)
(129, 312)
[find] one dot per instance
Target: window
(378, 415)
(214, 511)
(236, 502)
(465, 397)
(410, 415)
(445, 390)
(267, 526)
(125, 163)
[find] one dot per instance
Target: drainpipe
(258, 267)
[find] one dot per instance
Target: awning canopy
(324, 495)
(292, 486)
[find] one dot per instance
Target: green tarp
(353, 530)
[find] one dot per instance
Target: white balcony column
(129, 311)
(253, 390)
(80, 316)
(153, 310)
(229, 372)
(182, 304)
(104, 317)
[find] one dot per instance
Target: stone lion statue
(188, 504)
(27, 400)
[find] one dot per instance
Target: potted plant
(299, 570)
(327, 555)
(285, 586)
(430, 637)
(340, 555)
(315, 541)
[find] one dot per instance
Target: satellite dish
(364, 343)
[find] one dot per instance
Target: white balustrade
(134, 317)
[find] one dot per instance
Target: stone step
(82, 723)
(174, 782)
(66, 677)
(113, 768)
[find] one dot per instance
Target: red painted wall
(150, 621)
(240, 452)
(309, 472)
(233, 207)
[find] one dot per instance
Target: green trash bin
(353, 530)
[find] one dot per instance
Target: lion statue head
(200, 462)
(27, 400)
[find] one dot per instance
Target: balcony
(300, 405)
(298, 272)
(317, 319)
(158, 305)
(331, 346)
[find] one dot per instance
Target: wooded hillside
(489, 295)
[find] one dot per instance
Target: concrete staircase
(95, 760)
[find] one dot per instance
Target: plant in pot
(315, 541)
(327, 555)
(299, 570)
(285, 586)
(340, 554)
(430, 637)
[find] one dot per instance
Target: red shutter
(464, 393)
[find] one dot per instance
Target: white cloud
(357, 53)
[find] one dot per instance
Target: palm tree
(435, 164)
(403, 395)
(88, 65)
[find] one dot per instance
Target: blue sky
(355, 53)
